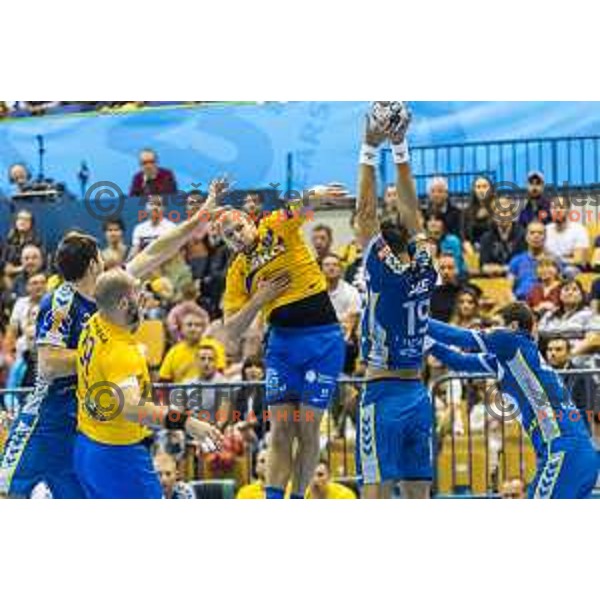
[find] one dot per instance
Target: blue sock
(273, 493)
(296, 497)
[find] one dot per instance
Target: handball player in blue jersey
(567, 462)
(395, 422)
(39, 451)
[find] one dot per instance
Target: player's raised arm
(407, 202)
(171, 242)
(366, 199)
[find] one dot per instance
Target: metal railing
(573, 159)
(468, 460)
(478, 461)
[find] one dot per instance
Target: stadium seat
(497, 289)
(217, 489)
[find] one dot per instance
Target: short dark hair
(115, 221)
(325, 228)
(520, 313)
(396, 235)
(75, 254)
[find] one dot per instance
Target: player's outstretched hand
(217, 190)
(269, 289)
(399, 122)
(208, 436)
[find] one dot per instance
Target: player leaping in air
(567, 462)
(40, 446)
(395, 421)
(305, 345)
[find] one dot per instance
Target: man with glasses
(152, 179)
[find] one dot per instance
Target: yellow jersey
(252, 491)
(334, 491)
(180, 365)
(109, 358)
(281, 248)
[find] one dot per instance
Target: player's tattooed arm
(169, 244)
(367, 221)
(55, 362)
(236, 324)
(407, 201)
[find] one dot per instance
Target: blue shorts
(304, 364)
(116, 472)
(395, 429)
(571, 474)
(39, 449)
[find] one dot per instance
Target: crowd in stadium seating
(485, 258)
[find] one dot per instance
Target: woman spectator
(22, 233)
(545, 296)
(466, 314)
(478, 214)
(249, 400)
(572, 316)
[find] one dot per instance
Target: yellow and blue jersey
(396, 317)
(281, 248)
(109, 356)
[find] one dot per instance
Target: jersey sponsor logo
(423, 286)
(271, 246)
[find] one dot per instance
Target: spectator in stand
(32, 262)
(478, 217)
(322, 488)
(572, 315)
(20, 316)
(522, 268)
(352, 252)
(166, 468)
(253, 205)
(212, 280)
(180, 365)
(249, 400)
(584, 389)
(443, 300)
(448, 243)
(114, 253)
(344, 297)
(545, 295)
(212, 399)
(20, 178)
(566, 239)
(499, 245)
(150, 230)
(21, 234)
(256, 489)
(322, 241)
(466, 314)
(537, 206)
(152, 180)
(440, 205)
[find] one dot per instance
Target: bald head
(117, 297)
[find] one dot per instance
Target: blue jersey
(60, 321)
(545, 408)
(396, 317)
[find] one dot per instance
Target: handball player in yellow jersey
(115, 408)
(304, 347)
